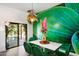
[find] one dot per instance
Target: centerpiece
(43, 30)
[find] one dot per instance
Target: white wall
(11, 15)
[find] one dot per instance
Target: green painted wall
(74, 6)
(62, 22)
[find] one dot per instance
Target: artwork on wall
(61, 21)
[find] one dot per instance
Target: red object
(44, 25)
(44, 42)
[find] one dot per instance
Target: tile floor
(17, 51)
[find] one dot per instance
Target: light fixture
(31, 16)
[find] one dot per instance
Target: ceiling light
(31, 16)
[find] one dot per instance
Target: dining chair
(37, 51)
(33, 38)
(49, 52)
(63, 50)
(28, 48)
(75, 42)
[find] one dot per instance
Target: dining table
(51, 45)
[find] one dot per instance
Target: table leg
(43, 49)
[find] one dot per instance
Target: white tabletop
(52, 45)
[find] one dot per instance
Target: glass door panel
(12, 35)
(22, 33)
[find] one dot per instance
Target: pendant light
(31, 16)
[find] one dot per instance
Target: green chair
(63, 50)
(49, 52)
(32, 46)
(37, 51)
(72, 49)
(28, 48)
(75, 42)
(33, 38)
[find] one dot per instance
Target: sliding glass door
(16, 34)
(22, 33)
(12, 35)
